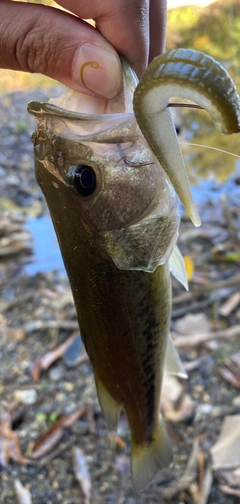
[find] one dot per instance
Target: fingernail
(97, 70)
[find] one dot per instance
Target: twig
(198, 339)
(54, 454)
(51, 324)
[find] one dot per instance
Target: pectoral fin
(177, 267)
(148, 458)
(172, 363)
(111, 409)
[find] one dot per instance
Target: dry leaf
(52, 435)
(22, 494)
(200, 338)
(226, 452)
(229, 377)
(206, 486)
(232, 478)
(9, 443)
(229, 490)
(14, 333)
(49, 358)
(230, 305)
(81, 472)
(175, 404)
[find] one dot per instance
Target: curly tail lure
(191, 75)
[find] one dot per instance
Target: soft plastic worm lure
(189, 75)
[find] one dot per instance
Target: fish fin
(177, 267)
(173, 364)
(111, 409)
(148, 458)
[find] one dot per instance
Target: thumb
(40, 39)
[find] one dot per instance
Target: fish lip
(42, 108)
(109, 128)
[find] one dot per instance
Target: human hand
(41, 39)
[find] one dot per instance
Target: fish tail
(150, 457)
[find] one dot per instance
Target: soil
(37, 315)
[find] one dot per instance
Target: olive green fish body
(124, 314)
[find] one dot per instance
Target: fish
(111, 173)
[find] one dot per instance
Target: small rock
(80, 427)
(28, 396)
(56, 373)
(73, 352)
(236, 402)
(193, 323)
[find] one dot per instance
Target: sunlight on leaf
(189, 266)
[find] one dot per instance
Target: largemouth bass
(111, 195)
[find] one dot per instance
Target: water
(46, 254)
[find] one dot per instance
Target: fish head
(103, 184)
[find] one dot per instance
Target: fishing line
(210, 147)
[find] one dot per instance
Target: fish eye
(85, 180)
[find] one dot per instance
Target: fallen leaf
(206, 486)
(43, 363)
(226, 451)
(229, 377)
(201, 338)
(229, 490)
(81, 472)
(232, 478)
(22, 494)
(9, 443)
(175, 404)
(52, 435)
(14, 333)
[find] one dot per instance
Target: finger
(36, 38)
(124, 23)
(158, 17)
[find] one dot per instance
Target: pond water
(46, 254)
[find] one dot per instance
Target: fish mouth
(145, 245)
(96, 128)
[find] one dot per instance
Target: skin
(36, 38)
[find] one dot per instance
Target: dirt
(37, 315)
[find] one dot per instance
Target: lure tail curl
(190, 75)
